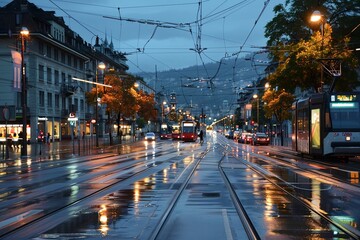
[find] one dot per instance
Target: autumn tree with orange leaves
(122, 100)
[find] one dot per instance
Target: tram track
(123, 176)
(255, 166)
(163, 223)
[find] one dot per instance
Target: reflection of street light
(317, 17)
(162, 111)
(255, 96)
(101, 66)
(23, 33)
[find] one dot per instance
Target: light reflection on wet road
(132, 210)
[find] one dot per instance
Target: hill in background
(212, 88)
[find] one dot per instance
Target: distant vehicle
(249, 138)
(150, 136)
(188, 131)
(260, 138)
(229, 134)
(165, 131)
(176, 132)
(236, 135)
(245, 137)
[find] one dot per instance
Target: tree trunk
(119, 132)
(110, 130)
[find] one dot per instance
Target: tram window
(345, 118)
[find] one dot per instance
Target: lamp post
(255, 96)
(162, 111)
(23, 34)
(101, 66)
(317, 17)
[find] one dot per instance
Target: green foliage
(296, 45)
(278, 104)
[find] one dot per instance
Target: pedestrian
(201, 136)
(83, 135)
(48, 138)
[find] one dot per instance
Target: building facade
(53, 56)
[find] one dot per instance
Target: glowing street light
(100, 66)
(317, 17)
(23, 34)
(162, 111)
(255, 96)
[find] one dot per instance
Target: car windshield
(261, 135)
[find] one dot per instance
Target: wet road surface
(124, 196)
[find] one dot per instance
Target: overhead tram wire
(72, 17)
(252, 29)
(144, 6)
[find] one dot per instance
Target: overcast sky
(228, 26)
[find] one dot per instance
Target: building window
(81, 65)
(75, 63)
(63, 57)
(56, 55)
(57, 101)
(56, 77)
(41, 99)
(63, 101)
(63, 78)
(69, 79)
(49, 75)
(49, 100)
(48, 51)
(41, 48)
(41, 73)
(76, 103)
(82, 105)
(69, 60)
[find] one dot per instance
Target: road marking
(227, 225)
(19, 217)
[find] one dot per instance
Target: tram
(175, 132)
(165, 131)
(188, 131)
(327, 125)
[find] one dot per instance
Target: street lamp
(255, 96)
(317, 17)
(23, 34)
(101, 66)
(162, 111)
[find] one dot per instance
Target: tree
(278, 105)
(299, 64)
(297, 49)
(146, 104)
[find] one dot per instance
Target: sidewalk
(62, 150)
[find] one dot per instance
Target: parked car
(229, 134)
(260, 138)
(150, 136)
(249, 138)
(245, 137)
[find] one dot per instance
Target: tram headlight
(347, 138)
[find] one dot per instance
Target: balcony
(67, 90)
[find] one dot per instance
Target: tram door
(302, 126)
(315, 130)
(317, 122)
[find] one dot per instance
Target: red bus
(188, 131)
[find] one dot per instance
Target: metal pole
(23, 99)
(96, 109)
(257, 112)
